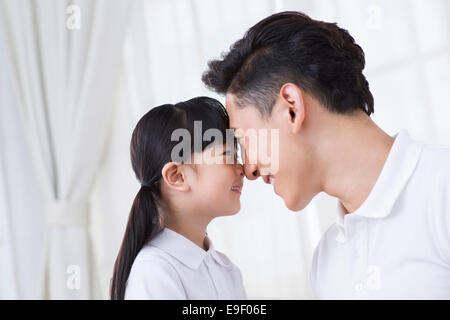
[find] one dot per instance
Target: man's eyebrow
(237, 130)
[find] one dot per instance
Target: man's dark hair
(290, 47)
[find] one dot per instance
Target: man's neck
(353, 153)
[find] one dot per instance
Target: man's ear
(292, 97)
(175, 178)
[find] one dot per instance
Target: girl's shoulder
(225, 261)
(153, 276)
(154, 259)
(150, 252)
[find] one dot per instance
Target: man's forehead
(230, 105)
(229, 102)
(241, 117)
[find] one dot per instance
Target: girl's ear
(174, 176)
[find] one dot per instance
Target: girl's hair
(151, 147)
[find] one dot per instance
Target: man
(304, 78)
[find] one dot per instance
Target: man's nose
(251, 171)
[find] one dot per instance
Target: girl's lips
(237, 188)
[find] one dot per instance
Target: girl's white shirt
(171, 266)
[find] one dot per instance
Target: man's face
(280, 156)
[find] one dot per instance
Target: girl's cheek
(231, 172)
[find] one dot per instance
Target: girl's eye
(233, 157)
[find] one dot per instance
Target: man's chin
(295, 205)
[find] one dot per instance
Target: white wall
(168, 44)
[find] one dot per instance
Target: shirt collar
(398, 168)
(184, 250)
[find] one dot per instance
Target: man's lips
(268, 178)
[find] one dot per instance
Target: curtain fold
(8, 274)
(65, 57)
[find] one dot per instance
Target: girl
(165, 252)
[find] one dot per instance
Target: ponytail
(151, 148)
(143, 224)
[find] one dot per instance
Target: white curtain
(63, 58)
(72, 157)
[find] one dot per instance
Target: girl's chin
(234, 210)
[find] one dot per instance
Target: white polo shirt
(171, 266)
(396, 245)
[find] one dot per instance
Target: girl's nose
(240, 169)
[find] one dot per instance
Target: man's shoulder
(322, 252)
(436, 161)
(436, 156)
(433, 163)
(328, 238)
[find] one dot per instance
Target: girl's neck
(193, 231)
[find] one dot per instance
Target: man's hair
(289, 47)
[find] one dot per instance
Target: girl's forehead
(219, 148)
(213, 152)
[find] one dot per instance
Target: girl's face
(218, 181)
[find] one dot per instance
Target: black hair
(319, 57)
(150, 148)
